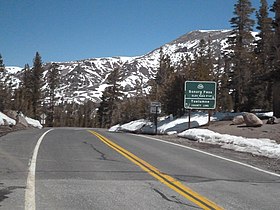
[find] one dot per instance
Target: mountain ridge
(85, 79)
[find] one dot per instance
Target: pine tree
(2, 85)
(275, 73)
(6, 88)
(224, 99)
(173, 95)
(53, 84)
(203, 64)
(260, 88)
(2, 66)
(265, 35)
(240, 43)
(25, 91)
(110, 98)
(37, 83)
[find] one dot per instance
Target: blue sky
(67, 30)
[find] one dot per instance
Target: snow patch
(168, 125)
(13, 69)
(4, 118)
(34, 123)
(261, 146)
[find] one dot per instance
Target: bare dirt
(225, 127)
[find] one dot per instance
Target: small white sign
(155, 110)
(156, 103)
(155, 107)
(43, 118)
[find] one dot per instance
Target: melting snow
(261, 146)
(257, 146)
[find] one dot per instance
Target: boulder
(238, 120)
(11, 113)
(272, 120)
(252, 120)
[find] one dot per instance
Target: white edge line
(216, 156)
(30, 183)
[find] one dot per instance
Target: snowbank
(168, 125)
(34, 123)
(132, 126)
(9, 120)
(181, 124)
(263, 147)
(115, 128)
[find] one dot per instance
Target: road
(76, 168)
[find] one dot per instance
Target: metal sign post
(155, 108)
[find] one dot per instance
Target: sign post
(200, 95)
(155, 108)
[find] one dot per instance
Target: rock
(238, 120)
(11, 113)
(272, 120)
(252, 120)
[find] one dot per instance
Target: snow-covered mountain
(86, 79)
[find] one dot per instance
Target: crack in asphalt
(102, 155)
(174, 198)
(200, 179)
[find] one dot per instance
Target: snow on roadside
(181, 124)
(9, 120)
(133, 125)
(34, 123)
(115, 128)
(262, 147)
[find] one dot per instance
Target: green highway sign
(200, 95)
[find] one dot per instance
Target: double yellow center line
(165, 179)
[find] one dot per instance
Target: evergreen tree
(203, 64)
(164, 80)
(224, 99)
(173, 95)
(2, 85)
(53, 84)
(2, 66)
(6, 88)
(240, 43)
(110, 98)
(37, 83)
(265, 35)
(25, 91)
(260, 88)
(275, 73)
(163, 73)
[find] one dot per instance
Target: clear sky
(67, 30)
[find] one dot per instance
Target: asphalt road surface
(73, 168)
